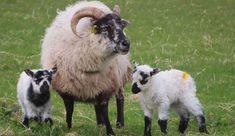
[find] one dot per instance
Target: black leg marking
(120, 109)
(163, 125)
(25, 121)
(37, 119)
(104, 112)
(147, 126)
(183, 124)
(202, 124)
(99, 117)
(69, 104)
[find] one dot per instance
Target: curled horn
(116, 10)
(85, 12)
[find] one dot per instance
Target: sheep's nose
(126, 43)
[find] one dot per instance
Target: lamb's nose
(135, 89)
(45, 87)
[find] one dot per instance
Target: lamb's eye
(38, 80)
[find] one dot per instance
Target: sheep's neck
(91, 58)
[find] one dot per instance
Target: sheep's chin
(122, 52)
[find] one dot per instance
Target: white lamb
(34, 96)
(162, 90)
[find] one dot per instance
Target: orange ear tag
(93, 29)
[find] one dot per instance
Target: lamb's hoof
(36, 119)
(119, 125)
(25, 122)
(49, 120)
(203, 130)
(111, 134)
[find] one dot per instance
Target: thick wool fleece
(84, 68)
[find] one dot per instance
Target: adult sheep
(87, 44)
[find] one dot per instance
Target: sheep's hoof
(119, 125)
(25, 122)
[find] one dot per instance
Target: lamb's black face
(41, 79)
(141, 76)
(111, 26)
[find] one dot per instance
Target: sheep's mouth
(122, 51)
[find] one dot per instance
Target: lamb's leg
(120, 108)
(104, 112)
(163, 115)
(99, 117)
(147, 121)
(184, 118)
(25, 121)
(69, 104)
(194, 106)
(46, 114)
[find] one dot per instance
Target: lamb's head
(109, 26)
(141, 76)
(41, 79)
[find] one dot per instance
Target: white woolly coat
(28, 108)
(74, 56)
(167, 88)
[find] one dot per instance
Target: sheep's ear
(155, 71)
(29, 72)
(125, 23)
(53, 70)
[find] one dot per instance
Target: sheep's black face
(111, 26)
(41, 79)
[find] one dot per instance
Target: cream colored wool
(85, 69)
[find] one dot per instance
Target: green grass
(194, 36)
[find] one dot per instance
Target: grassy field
(197, 36)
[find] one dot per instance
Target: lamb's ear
(155, 71)
(29, 72)
(53, 70)
(136, 64)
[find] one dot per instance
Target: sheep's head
(141, 75)
(110, 26)
(41, 79)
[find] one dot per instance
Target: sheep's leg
(194, 106)
(163, 115)
(99, 117)
(147, 121)
(69, 104)
(120, 108)
(104, 112)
